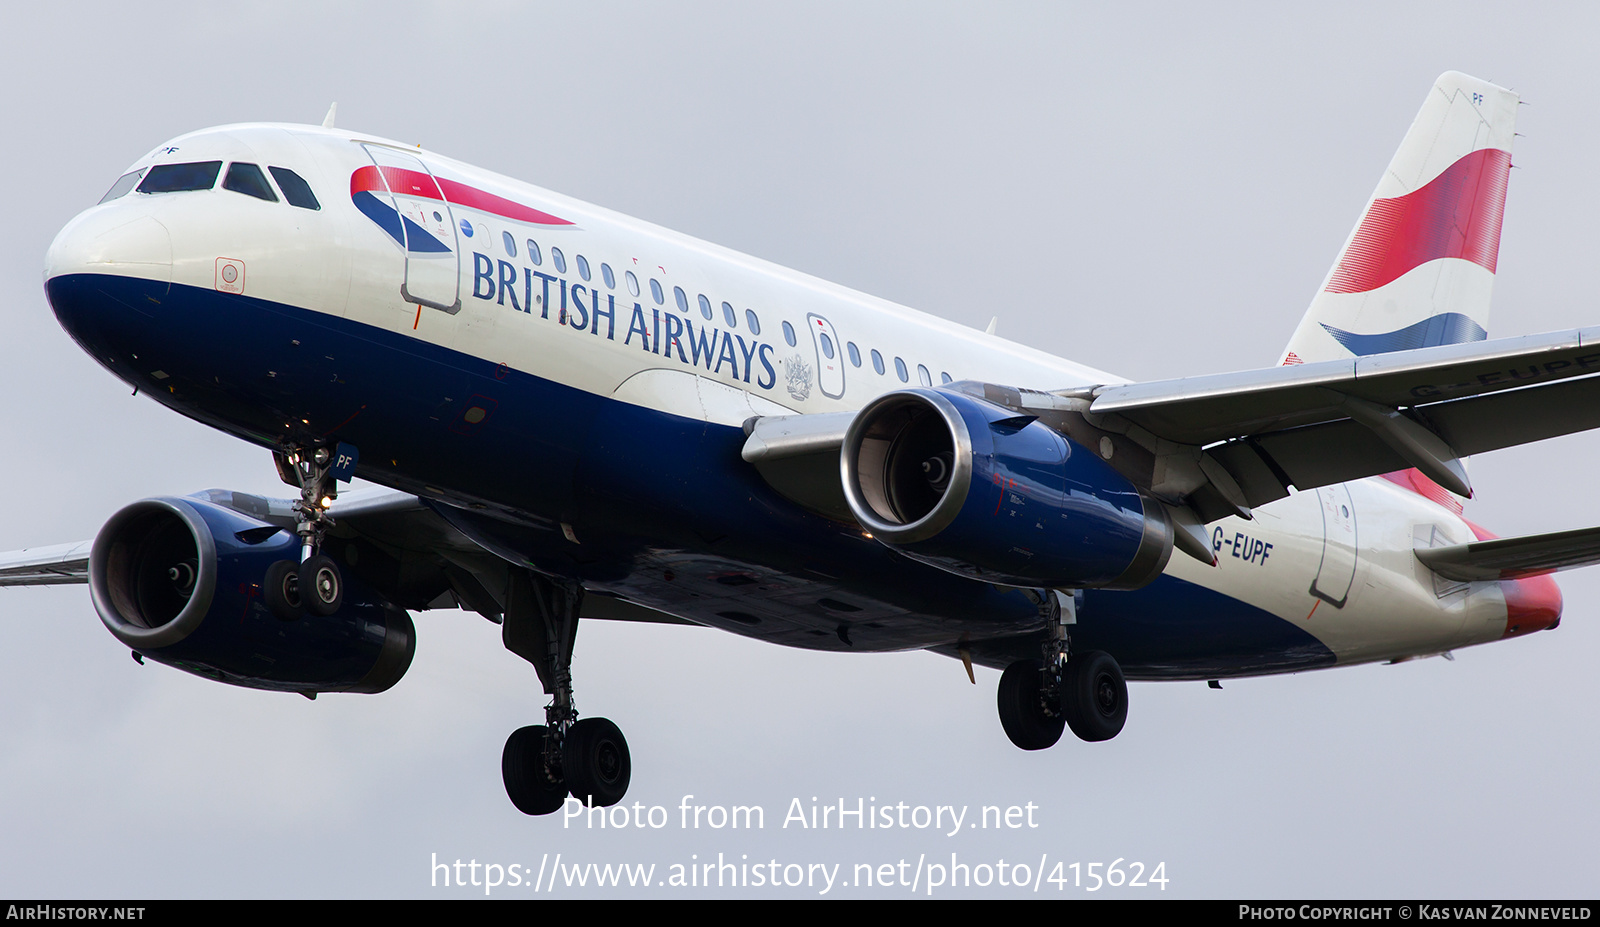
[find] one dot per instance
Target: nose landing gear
(314, 584)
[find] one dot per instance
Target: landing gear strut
(542, 764)
(1086, 692)
(315, 584)
(309, 469)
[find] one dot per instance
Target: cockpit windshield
(247, 179)
(122, 186)
(172, 178)
(242, 177)
(295, 189)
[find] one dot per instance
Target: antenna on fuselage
(333, 110)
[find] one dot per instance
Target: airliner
(572, 415)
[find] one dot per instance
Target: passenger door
(830, 356)
(1337, 571)
(433, 264)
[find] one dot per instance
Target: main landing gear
(542, 764)
(314, 584)
(1086, 692)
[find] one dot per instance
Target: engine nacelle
(179, 581)
(974, 488)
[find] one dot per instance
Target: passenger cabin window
(943, 378)
(788, 333)
(122, 186)
(854, 352)
(682, 298)
(900, 369)
(751, 320)
(247, 179)
(924, 376)
(510, 243)
(655, 291)
(295, 189)
(877, 361)
(534, 254)
(175, 178)
(558, 259)
(705, 306)
(583, 268)
(729, 317)
(611, 278)
(633, 282)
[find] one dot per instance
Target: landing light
(327, 501)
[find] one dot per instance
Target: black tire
(281, 590)
(595, 759)
(522, 769)
(1021, 706)
(321, 585)
(1095, 696)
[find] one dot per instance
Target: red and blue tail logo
(1455, 215)
(370, 189)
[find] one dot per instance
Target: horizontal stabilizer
(1514, 558)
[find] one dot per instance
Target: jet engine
(180, 582)
(974, 488)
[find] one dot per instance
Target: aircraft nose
(102, 251)
(1532, 604)
(111, 242)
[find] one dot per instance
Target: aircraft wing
(1514, 558)
(1225, 443)
(1315, 424)
(58, 565)
(430, 562)
(1202, 410)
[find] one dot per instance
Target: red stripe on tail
(1455, 215)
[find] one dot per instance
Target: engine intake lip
(126, 576)
(873, 447)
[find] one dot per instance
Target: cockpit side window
(123, 185)
(247, 179)
(294, 188)
(173, 178)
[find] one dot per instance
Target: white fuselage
(1336, 563)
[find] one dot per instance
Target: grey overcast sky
(1154, 189)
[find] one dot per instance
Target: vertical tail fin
(1418, 269)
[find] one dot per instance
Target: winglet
(327, 121)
